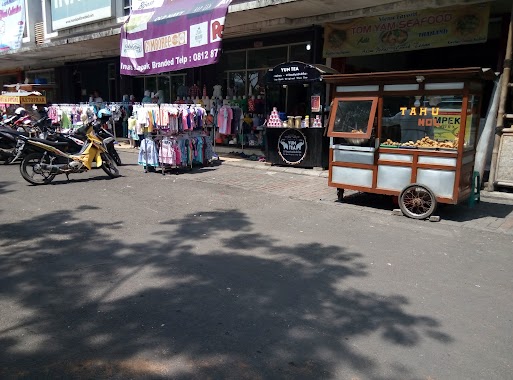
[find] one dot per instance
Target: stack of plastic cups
(274, 119)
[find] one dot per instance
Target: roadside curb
(238, 162)
(254, 165)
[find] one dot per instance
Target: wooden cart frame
(419, 177)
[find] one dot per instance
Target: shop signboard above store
(29, 99)
(415, 30)
(297, 72)
(168, 35)
(70, 13)
(12, 24)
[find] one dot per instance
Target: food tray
(389, 146)
(423, 148)
(407, 147)
(356, 141)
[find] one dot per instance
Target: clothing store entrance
(168, 83)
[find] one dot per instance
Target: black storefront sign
(292, 146)
(296, 72)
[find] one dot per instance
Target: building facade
(72, 46)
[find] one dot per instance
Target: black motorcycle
(9, 135)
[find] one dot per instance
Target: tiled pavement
(494, 213)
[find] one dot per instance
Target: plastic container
(297, 122)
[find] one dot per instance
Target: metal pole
(506, 75)
(486, 137)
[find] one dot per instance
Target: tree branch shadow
(246, 307)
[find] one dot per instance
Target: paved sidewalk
(494, 213)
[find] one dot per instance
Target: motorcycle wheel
(109, 166)
(115, 156)
(32, 172)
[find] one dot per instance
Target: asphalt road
(157, 277)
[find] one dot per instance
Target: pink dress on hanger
(224, 120)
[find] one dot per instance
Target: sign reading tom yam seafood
(423, 29)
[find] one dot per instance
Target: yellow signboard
(447, 125)
(423, 29)
(30, 99)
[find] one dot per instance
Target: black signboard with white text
(292, 146)
(297, 72)
(315, 153)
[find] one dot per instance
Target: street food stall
(410, 134)
(295, 127)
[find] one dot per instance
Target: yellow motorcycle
(46, 160)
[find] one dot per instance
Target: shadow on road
(4, 187)
(458, 213)
(90, 305)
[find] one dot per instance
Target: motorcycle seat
(12, 131)
(52, 143)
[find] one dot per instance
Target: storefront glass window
(237, 83)
(256, 82)
(265, 58)
(41, 77)
(300, 53)
(164, 86)
(235, 60)
(421, 121)
(176, 81)
(150, 84)
(127, 6)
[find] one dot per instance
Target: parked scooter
(105, 116)
(41, 167)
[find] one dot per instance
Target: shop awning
(295, 72)
(168, 35)
(413, 76)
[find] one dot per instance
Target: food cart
(410, 134)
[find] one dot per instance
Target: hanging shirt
(224, 120)
(251, 105)
(167, 152)
(131, 123)
(218, 93)
(148, 155)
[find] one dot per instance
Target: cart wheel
(417, 201)
(340, 195)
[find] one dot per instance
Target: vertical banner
(169, 35)
(415, 30)
(12, 24)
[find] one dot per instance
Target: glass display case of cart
(430, 122)
(353, 121)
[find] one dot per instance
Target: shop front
(295, 128)
(410, 134)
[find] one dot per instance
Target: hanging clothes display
(174, 136)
